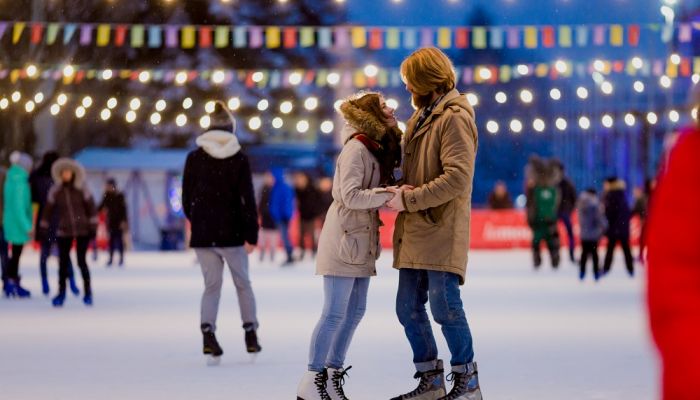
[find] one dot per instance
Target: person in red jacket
(673, 244)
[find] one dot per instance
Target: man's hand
(249, 247)
(396, 202)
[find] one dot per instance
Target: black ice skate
(430, 387)
(251, 338)
(211, 346)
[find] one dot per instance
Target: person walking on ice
(348, 245)
(431, 234)
(219, 202)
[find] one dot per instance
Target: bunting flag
(343, 37)
(386, 77)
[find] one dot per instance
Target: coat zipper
(70, 213)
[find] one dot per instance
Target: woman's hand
(396, 202)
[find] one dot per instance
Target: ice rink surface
(538, 335)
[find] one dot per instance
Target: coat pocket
(354, 245)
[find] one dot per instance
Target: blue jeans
(283, 227)
(416, 287)
(345, 302)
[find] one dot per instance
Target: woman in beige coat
(349, 242)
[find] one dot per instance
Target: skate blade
(213, 361)
(253, 357)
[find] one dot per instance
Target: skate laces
(461, 381)
(320, 382)
(422, 384)
(339, 381)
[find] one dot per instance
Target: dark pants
(116, 242)
(4, 259)
(13, 267)
(307, 229)
(565, 218)
(416, 287)
(64, 246)
(589, 248)
(46, 247)
(549, 233)
(625, 243)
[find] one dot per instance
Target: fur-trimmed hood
(219, 144)
(361, 121)
(68, 163)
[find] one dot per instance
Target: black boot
(430, 386)
(251, 338)
(466, 384)
(210, 344)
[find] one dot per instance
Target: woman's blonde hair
(428, 70)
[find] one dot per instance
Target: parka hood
(68, 163)
(361, 121)
(219, 144)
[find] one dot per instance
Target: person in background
(269, 236)
(617, 213)
(325, 188)
(4, 260)
(543, 198)
(593, 225)
(70, 198)
(281, 209)
(219, 201)
(673, 281)
(308, 199)
(17, 218)
(567, 203)
(642, 196)
(41, 182)
(499, 198)
(114, 203)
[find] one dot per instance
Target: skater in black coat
(218, 200)
(114, 203)
(617, 213)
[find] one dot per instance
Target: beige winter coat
(433, 232)
(349, 242)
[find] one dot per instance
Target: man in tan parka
(431, 237)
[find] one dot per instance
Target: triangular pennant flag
(696, 65)
(548, 36)
(325, 36)
(530, 37)
(512, 38)
(120, 35)
(672, 70)
(633, 35)
(137, 36)
(37, 32)
(392, 38)
(599, 35)
(582, 36)
(426, 37)
(340, 34)
(155, 36)
(359, 37)
(289, 37)
(86, 34)
(409, 38)
(617, 35)
(565, 36)
(103, 33)
(360, 79)
(685, 33)
(171, 36)
(51, 33)
(17, 31)
(496, 34)
(375, 39)
(505, 73)
(221, 37)
(205, 37)
(444, 38)
(188, 37)
(685, 67)
(256, 37)
(462, 38)
(306, 36)
(479, 37)
(273, 37)
(68, 32)
(240, 37)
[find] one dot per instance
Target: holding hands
(396, 202)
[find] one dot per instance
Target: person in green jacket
(17, 218)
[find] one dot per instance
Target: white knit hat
(24, 160)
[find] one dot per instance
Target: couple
(431, 237)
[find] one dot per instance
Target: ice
(538, 334)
